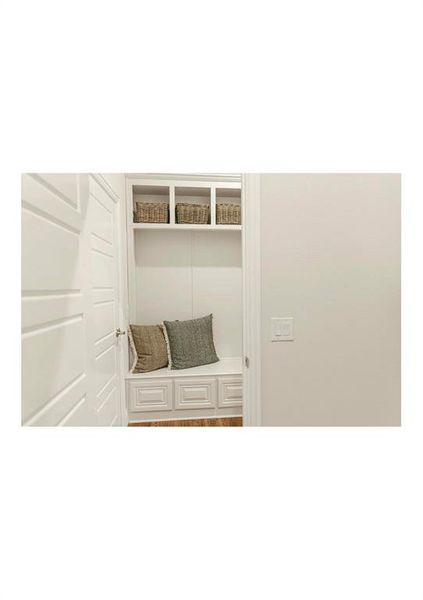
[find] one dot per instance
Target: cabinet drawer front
(230, 391)
(150, 396)
(195, 393)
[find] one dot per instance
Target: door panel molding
(70, 300)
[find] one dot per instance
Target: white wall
(331, 259)
(188, 274)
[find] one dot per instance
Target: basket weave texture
(151, 212)
(228, 214)
(192, 213)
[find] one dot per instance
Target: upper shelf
(216, 205)
(184, 227)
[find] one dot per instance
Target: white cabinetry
(199, 392)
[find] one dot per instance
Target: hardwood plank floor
(220, 422)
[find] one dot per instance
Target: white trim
(213, 206)
(131, 251)
(165, 180)
(198, 177)
(251, 252)
(172, 206)
(123, 303)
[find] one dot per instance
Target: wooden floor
(221, 422)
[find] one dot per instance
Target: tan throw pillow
(149, 346)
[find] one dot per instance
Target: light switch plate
(282, 329)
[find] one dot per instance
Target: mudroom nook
(185, 263)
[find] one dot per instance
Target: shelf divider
(213, 205)
(172, 205)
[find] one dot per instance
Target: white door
(71, 371)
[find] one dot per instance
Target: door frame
(251, 257)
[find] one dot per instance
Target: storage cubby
(228, 206)
(192, 205)
(151, 204)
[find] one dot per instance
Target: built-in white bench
(208, 391)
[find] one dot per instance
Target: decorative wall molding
(229, 177)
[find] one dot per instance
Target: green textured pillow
(191, 342)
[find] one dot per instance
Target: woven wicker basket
(151, 212)
(228, 214)
(192, 213)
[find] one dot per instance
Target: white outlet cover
(282, 329)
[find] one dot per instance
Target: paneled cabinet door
(146, 396)
(230, 392)
(195, 393)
